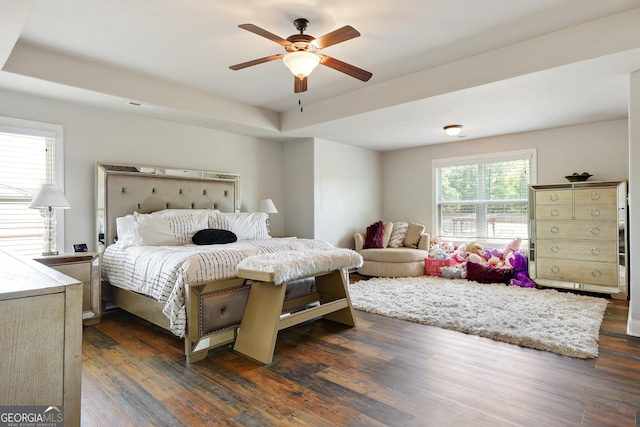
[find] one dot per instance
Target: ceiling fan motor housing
(300, 42)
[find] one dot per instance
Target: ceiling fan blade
(264, 33)
(343, 67)
(299, 85)
(337, 36)
(256, 61)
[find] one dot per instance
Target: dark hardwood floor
(385, 372)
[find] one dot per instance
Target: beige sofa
(392, 262)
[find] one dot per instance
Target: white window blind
(483, 198)
(27, 160)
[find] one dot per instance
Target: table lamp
(267, 206)
(48, 197)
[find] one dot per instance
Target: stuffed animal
(495, 261)
(460, 254)
(520, 271)
(512, 246)
(474, 252)
(474, 248)
(448, 247)
(433, 249)
(440, 254)
(453, 272)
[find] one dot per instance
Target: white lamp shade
(301, 63)
(49, 196)
(267, 206)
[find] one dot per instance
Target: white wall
(599, 149)
(97, 135)
(347, 191)
(332, 190)
(633, 325)
(298, 186)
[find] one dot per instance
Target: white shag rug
(559, 322)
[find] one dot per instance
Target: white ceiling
(495, 66)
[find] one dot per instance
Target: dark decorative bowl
(578, 177)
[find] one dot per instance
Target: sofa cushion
(398, 233)
(392, 255)
(386, 233)
(373, 238)
(414, 231)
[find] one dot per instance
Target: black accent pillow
(212, 236)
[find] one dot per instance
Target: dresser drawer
(592, 230)
(598, 273)
(578, 250)
(554, 211)
(554, 197)
(602, 212)
(596, 195)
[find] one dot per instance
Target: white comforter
(161, 272)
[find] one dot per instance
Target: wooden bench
(263, 316)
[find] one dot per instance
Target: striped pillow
(398, 232)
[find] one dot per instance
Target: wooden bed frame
(123, 189)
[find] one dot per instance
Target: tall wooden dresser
(578, 236)
(41, 336)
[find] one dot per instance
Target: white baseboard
(633, 327)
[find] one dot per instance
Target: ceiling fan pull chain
(300, 104)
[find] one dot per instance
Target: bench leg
(332, 287)
(260, 323)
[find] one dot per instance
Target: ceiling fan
(302, 52)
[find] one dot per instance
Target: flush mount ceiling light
(453, 130)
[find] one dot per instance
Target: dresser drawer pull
(595, 212)
(596, 273)
(555, 269)
(594, 196)
(555, 248)
(554, 212)
(553, 197)
(595, 251)
(555, 230)
(595, 231)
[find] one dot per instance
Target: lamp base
(49, 253)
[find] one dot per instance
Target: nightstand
(85, 267)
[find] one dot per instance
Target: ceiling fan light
(301, 63)
(453, 130)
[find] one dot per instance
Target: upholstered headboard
(124, 189)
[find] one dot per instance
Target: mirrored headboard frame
(124, 189)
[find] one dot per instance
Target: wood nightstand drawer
(84, 267)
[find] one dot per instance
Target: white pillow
(398, 233)
(166, 212)
(248, 226)
(125, 231)
(168, 230)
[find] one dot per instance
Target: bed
(157, 274)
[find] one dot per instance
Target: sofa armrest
(359, 239)
(425, 239)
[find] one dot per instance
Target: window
(483, 198)
(30, 155)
